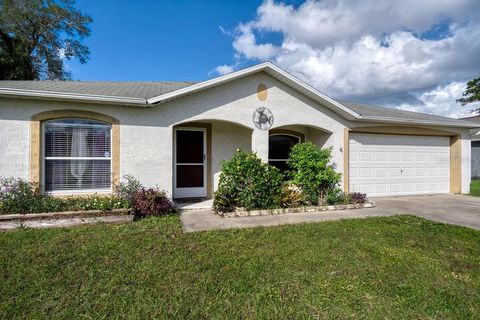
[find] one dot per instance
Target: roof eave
(271, 69)
(467, 124)
(72, 97)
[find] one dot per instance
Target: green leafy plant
(20, 196)
(247, 182)
(312, 170)
(128, 189)
(337, 196)
(333, 196)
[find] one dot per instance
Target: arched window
(77, 156)
(279, 146)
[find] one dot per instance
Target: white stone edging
(65, 214)
(240, 212)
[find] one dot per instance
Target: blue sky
(409, 54)
(159, 40)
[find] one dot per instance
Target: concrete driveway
(449, 208)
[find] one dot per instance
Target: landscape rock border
(65, 215)
(240, 212)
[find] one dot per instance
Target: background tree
(472, 93)
(15, 62)
(36, 36)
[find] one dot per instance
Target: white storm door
(386, 165)
(190, 174)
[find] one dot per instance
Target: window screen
(77, 155)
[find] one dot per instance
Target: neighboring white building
(81, 136)
(475, 134)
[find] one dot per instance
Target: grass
(475, 188)
(395, 267)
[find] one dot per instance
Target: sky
(410, 54)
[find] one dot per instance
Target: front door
(189, 163)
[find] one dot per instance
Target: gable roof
(150, 94)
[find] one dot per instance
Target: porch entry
(190, 167)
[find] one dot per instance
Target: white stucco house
(80, 137)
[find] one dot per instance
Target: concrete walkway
(454, 209)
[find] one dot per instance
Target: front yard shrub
(337, 196)
(292, 196)
(18, 196)
(357, 197)
(333, 196)
(128, 189)
(95, 202)
(152, 202)
(247, 182)
(312, 170)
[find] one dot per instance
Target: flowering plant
(152, 202)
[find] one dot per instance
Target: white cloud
(360, 50)
(441, 100)
(246, 44)
(224, 69)
(323, 23)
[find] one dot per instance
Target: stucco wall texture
(146, 134)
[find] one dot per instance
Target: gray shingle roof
(376, 111)
(473, 118)
(147, 90)
(144, 90)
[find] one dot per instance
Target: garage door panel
(381, 172)
(391, 165)
(420, 172)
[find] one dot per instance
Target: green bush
(247, 182)
(334, 196)
(312, 170)
(20, 196)
(128, 189)
(337, 196)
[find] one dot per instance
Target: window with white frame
(77, 156)
(279, 146)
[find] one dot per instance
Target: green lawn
(396, 267)
(475, 188)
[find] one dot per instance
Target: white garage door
(382, 165)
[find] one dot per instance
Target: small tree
(472, 93)
(313, 171)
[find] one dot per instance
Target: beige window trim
(36, 138)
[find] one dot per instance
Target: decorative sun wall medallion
(263, 118)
